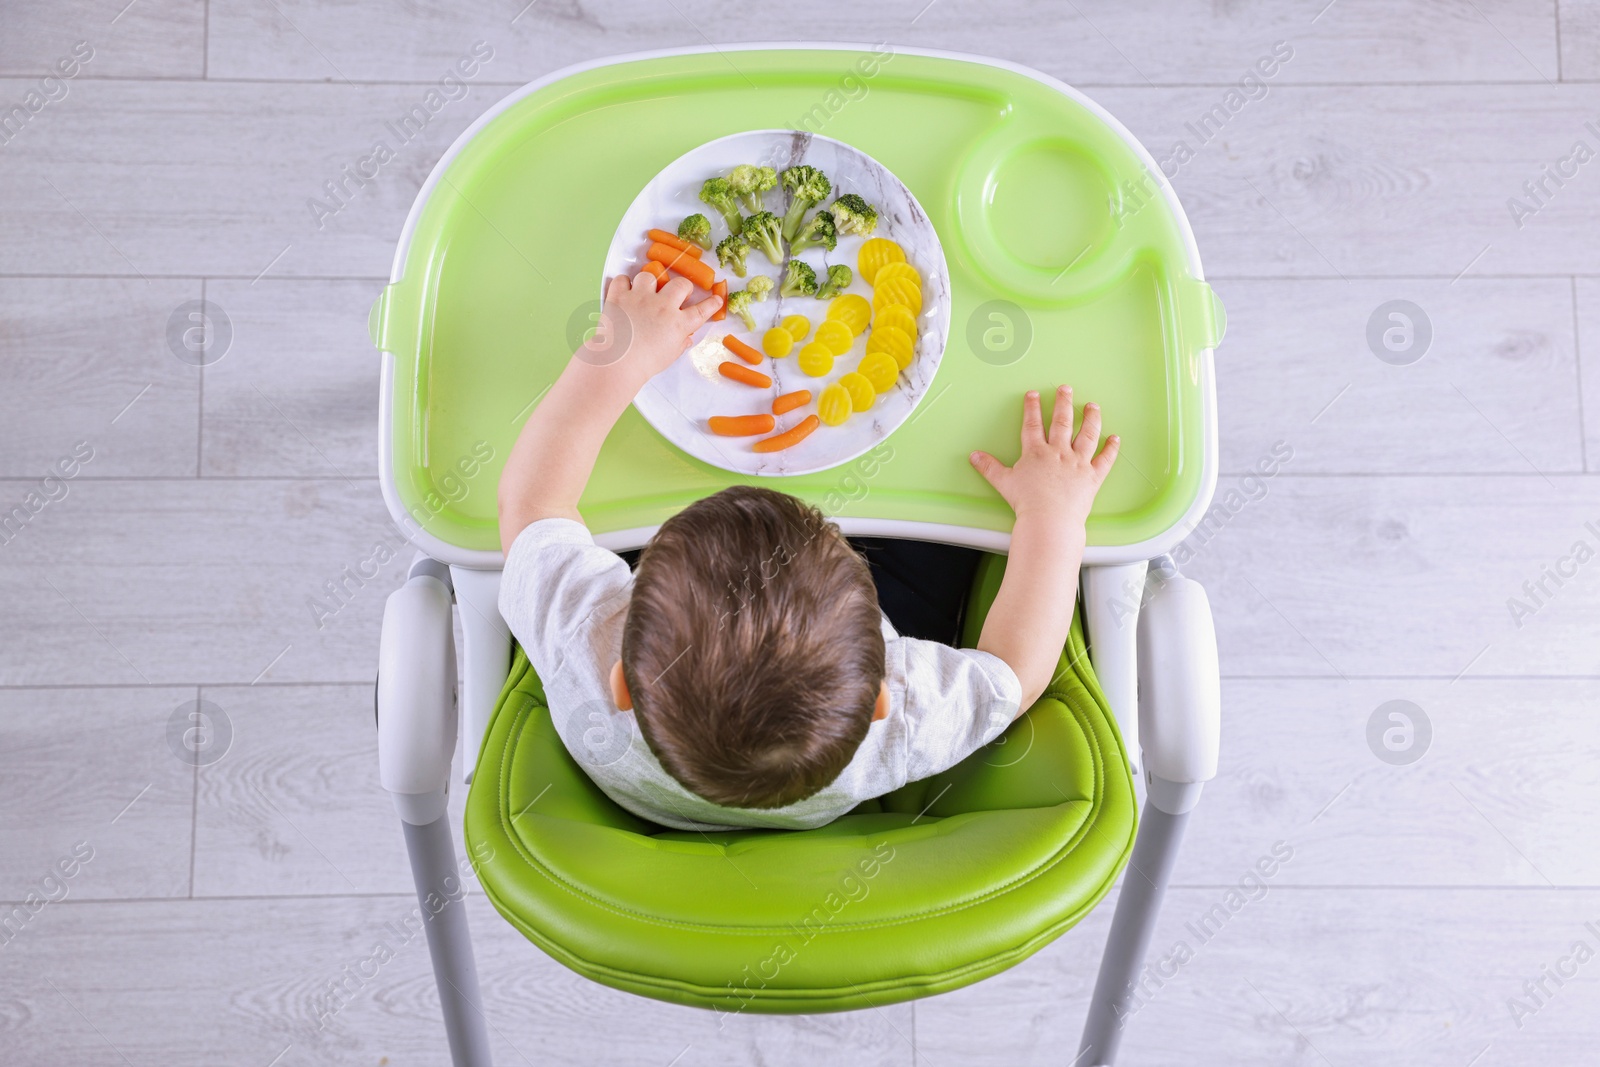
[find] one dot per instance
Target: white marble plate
(678, 401)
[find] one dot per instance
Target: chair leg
(1180, 708)
(441, 895)
(1144, 884)
(417, 724)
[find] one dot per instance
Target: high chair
(1056, 222)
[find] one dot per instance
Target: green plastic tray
(1043, 203)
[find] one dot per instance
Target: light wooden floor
(221, 903)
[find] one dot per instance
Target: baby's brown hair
(753, 649)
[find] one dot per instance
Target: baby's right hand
(649, 329)
(1055, 477)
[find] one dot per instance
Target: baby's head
(753, 652)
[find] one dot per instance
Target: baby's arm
(1050, 488)
(642, 332)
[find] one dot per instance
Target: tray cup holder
(1036, 214)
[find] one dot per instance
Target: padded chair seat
(930, 888)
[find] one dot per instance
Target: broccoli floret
(798, 279)
(749, 182)
(851, 214)
(739, 304)
(838, 281)
(761, 230)
(717, 194)
(760, 286)
(696, 229)
(731, 253)
(807, 187)
(820, 232)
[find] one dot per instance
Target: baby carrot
(741, 425)
(740, 373)
(740, 349)
(672, 240)
(790, 401)
(719, 290)
(790, 437)
(652, 267)
(683, 263)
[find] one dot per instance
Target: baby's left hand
(1056, 476)
(641, 330)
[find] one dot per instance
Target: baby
(749, 650)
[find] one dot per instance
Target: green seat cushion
(937, 885)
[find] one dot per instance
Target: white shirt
(566, 599)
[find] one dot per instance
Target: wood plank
(1342, 182)
(1308, 181)
(214, 179)
(1580, 39)
(1490, 802)
(1494, 391)
(1099, 42)
(243, 981)
(150, 38)
(1306, 976)
(87, 360)
(1344, 577)
(90, 777)
(297, 395)
(196, 581)
(296, 806)
(1496, 796)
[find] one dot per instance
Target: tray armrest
(1180, 690)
